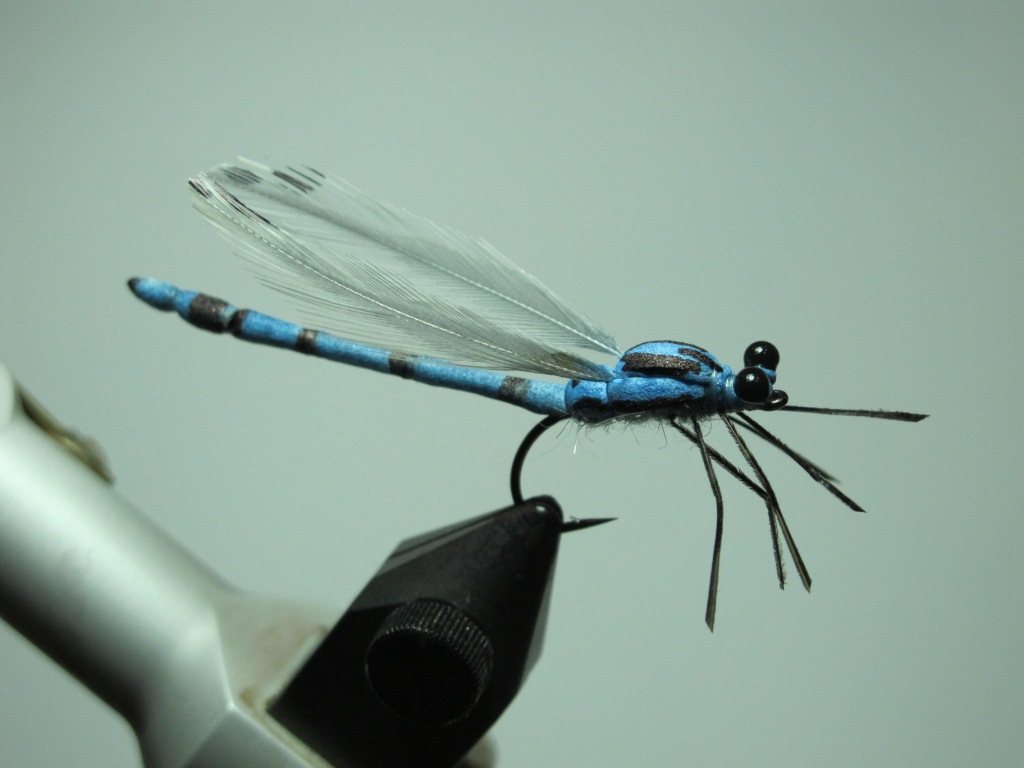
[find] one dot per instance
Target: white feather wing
(373, 273)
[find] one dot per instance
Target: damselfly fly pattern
(428, 303)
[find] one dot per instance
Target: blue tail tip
(156, 293)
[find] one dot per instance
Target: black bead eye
(752, 385)
(763, 354)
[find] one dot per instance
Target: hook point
(577, 524)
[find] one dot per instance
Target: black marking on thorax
(692, 350)
(645, 362)
(703, 356)
(652, 405)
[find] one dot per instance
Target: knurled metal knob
(429, 662)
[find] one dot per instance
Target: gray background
(843, 179)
